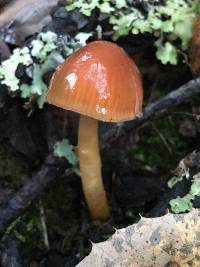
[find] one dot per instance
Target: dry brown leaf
(28, 16)
(173, 238)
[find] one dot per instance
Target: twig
(158, 108)
(194, 115)
(162, 138)
(9, 255)
(49, 171)
(181, 188)
(160, 209)
(43, 224)
(186, 114)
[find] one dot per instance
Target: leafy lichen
(9, 66)
(64, 149)
(168, 23)
(185, 203)
(43, 54)
(46, 43)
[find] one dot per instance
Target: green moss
(12, 168)
(153, 152)
(63, 218)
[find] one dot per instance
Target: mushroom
(100, 82)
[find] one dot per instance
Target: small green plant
(170, 23)
(42, 55)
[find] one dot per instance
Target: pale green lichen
(9, 66)
(166, 53)
(185, 203)
(86, 7)
(37, 85)
(182, 204)
(64, 149)
(168, 23)
(45, 44)
(48, 50)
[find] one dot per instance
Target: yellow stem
(90, 168)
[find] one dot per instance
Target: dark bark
(180, 189)
(49, 172)
(161, 208)
(10, 256)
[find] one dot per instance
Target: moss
(152, 151)
(63, 219)
(12, 167)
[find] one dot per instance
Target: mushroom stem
(90, 168)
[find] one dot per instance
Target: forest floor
(55, 229)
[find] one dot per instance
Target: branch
(9, 255)
(161, 208)
(192, 162)
(160, 107)
(49, 171)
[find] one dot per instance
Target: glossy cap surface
(99, 81)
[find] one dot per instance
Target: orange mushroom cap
(99, 81)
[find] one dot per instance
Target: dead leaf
(156, 242)
(27, 16)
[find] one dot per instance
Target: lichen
(9, 66)
(169, 23)
(185, 203)
(64, 149)
(43, 54)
